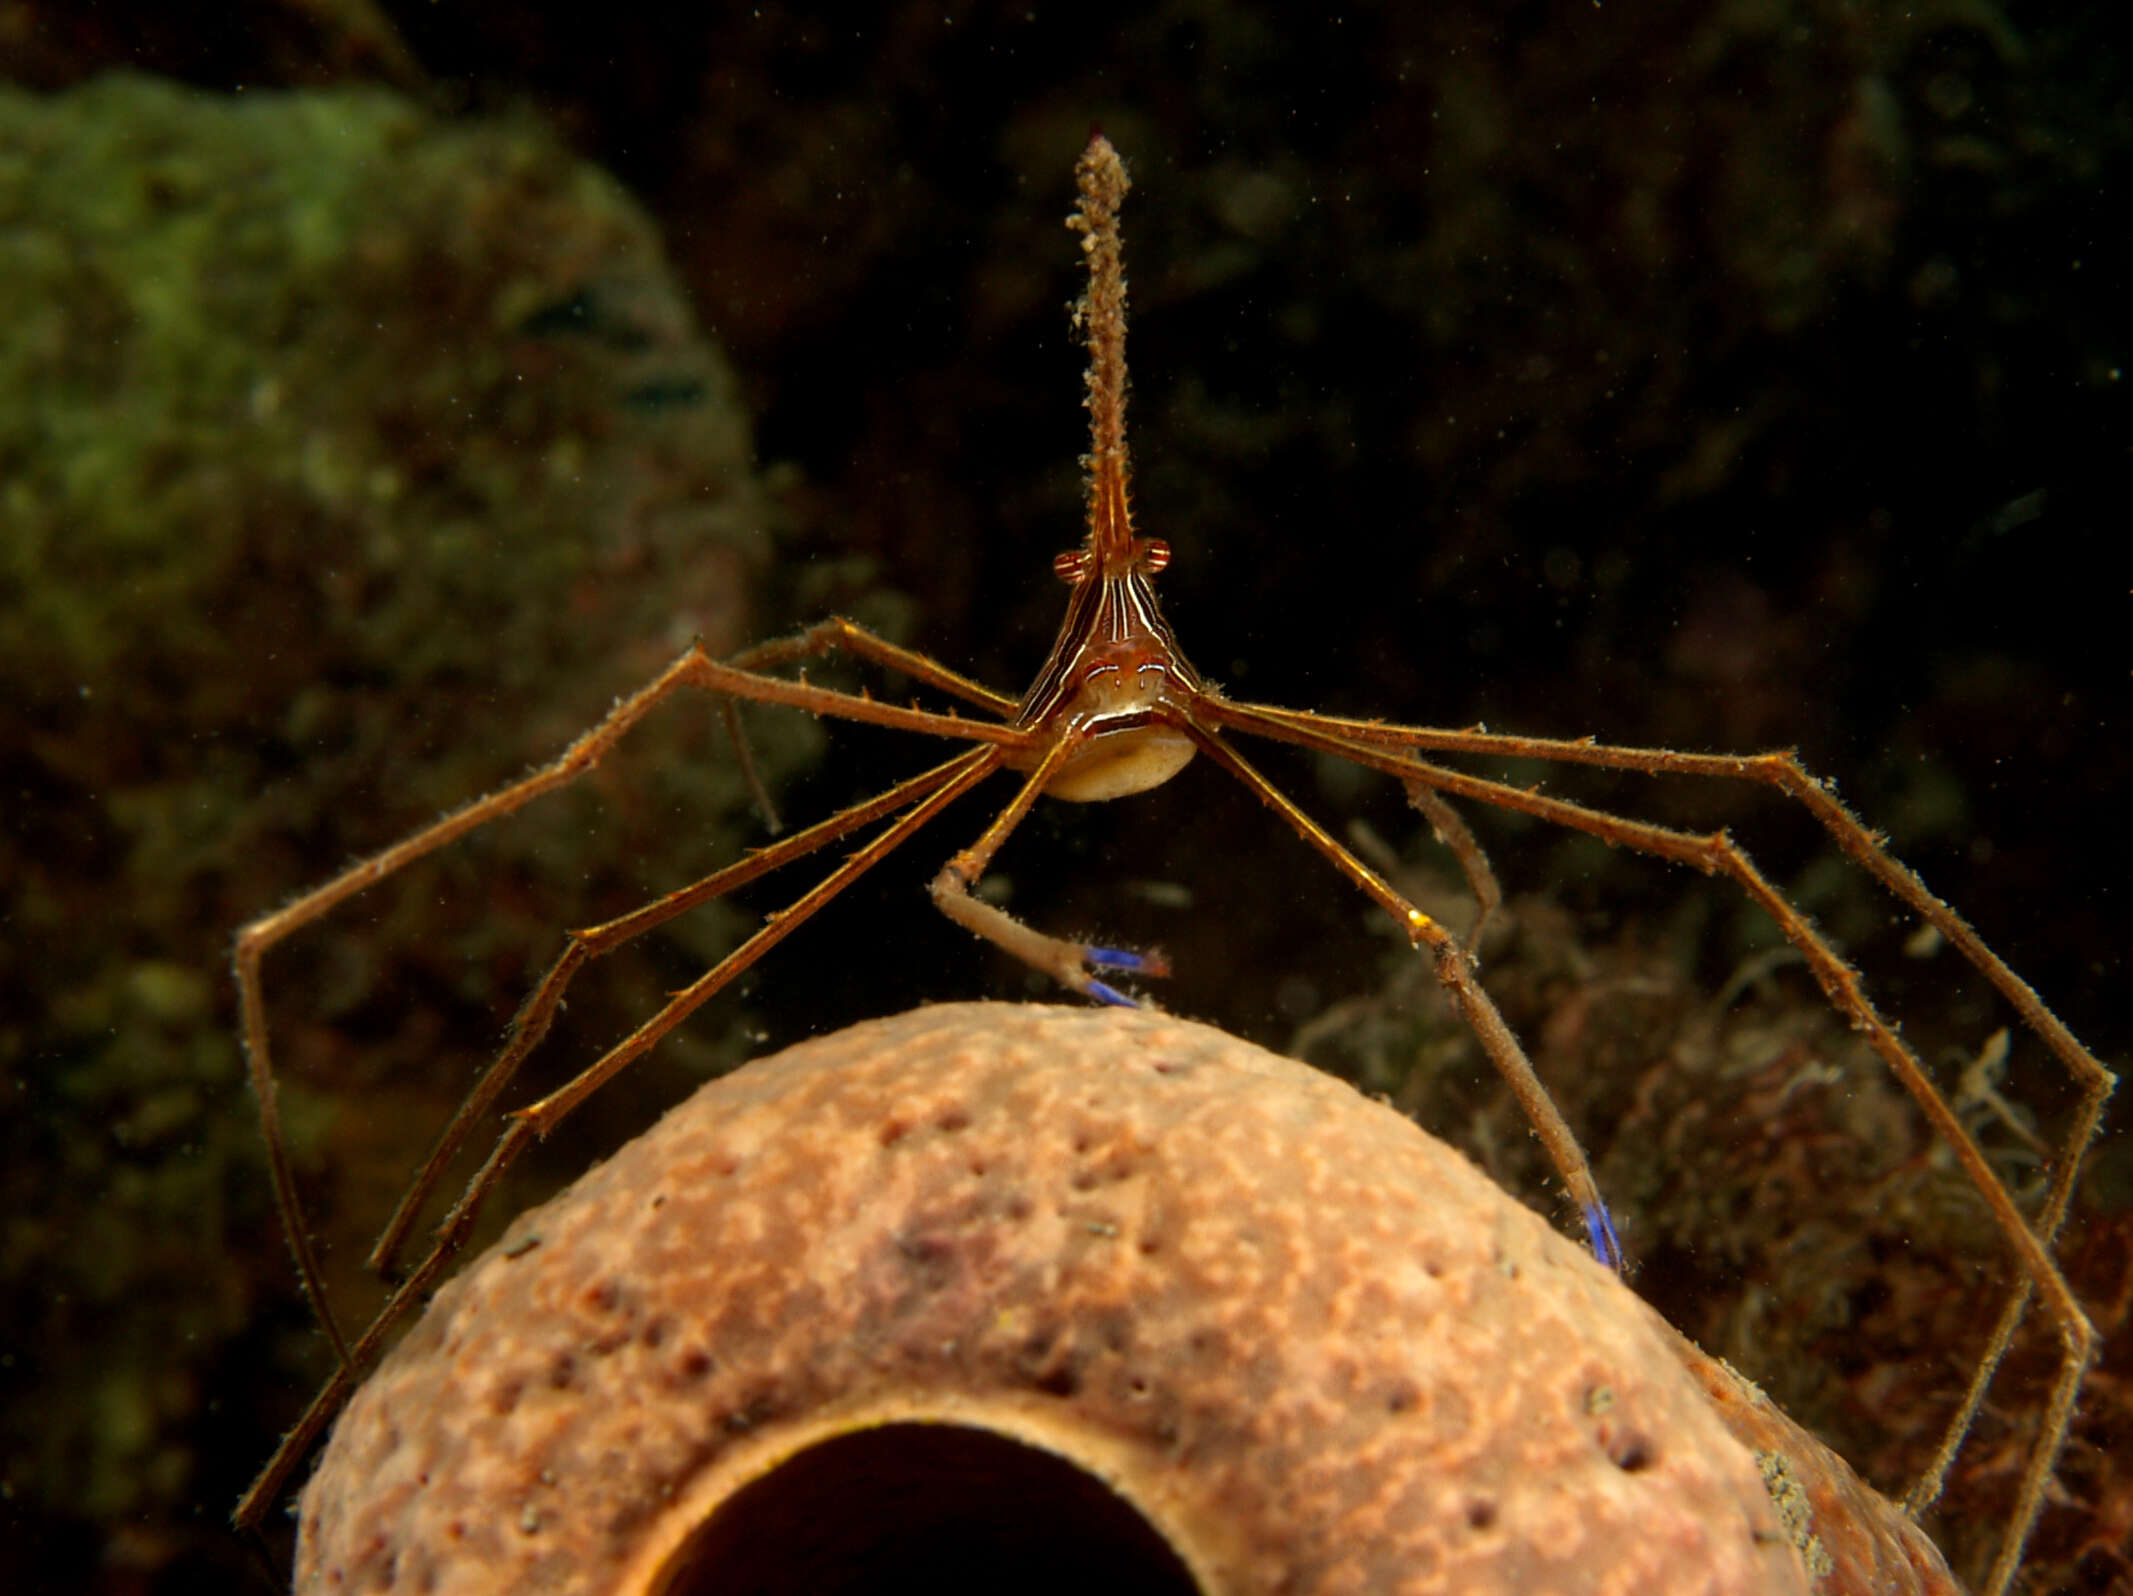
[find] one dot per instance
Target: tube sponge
(1053, 1297)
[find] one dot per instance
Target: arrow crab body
(1115, 710)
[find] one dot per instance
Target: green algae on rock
(349, 459)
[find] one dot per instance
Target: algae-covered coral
(349, 459)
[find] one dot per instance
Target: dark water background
(1719, 377)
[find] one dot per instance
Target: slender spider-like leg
(693, 668)
(1455, 973)
(534, 1122)
(1783, 771)
(1454, 833)
(766, 807)
(254, 940)
(1065, 962)
(838, 635)
(967, 770)
(1718, 854)
(530, 1025)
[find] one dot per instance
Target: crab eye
(1152, 554)
(1072, 567)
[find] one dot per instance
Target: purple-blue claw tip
(1600, 1230)
(1105, 994)
(1118, 959)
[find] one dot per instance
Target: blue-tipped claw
(1600, 1230)
(1121, 959)
(1110, 995)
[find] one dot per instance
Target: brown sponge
(1042, 1298)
